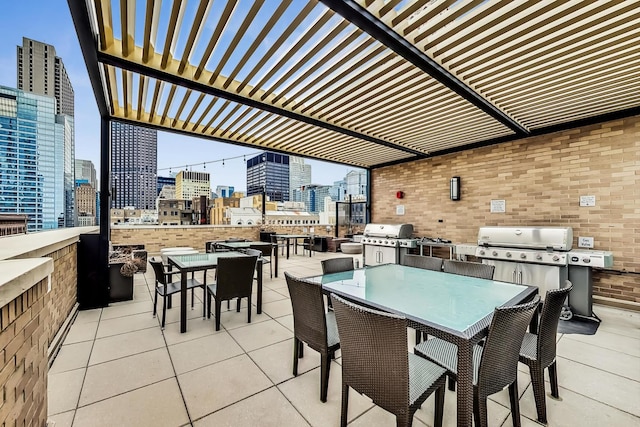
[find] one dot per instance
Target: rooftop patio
(117, 367)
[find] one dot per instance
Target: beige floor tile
(496, 413)
(378, 417)
(286, 321)
(126, 309)
(196, 328)
(575, 409)
(173, 314)
(278, 308)
(87, 316)
(270, 296)
(64, 419)
(64, 390)
(619, 321)
(283, 291)
(304, 393)
(72, 356)
(208, 389)
(80, 332)
(158, 404)
(267, 408)
(120, 325)
(616, 391)
(611, 341)
(204, 351)
(257, 335)
(122, 375)
(277, 361)
(231, 319)
(123, 345)
(598, 357)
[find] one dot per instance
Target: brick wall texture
(541, 180)
(28, 324)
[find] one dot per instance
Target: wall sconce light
(455, 188)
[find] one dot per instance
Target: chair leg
(345, 405)
(553, 378)
(537, 380)
(515, 404)
(404, 420)
(155, 303)
(301, 350)
(164, 309)
(218, 310)
(208, 305)
(325, 367)
(204, 302)
(296, 350)
(439, 408)
(418, 337)
(480, 410)
(248, 308)
(238, 304)
(452, 383)
(192, 297)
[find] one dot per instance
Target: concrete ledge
(35, 245)
(18, 276)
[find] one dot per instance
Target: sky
(49, 21)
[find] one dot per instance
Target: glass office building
(33, 143)
(271, 172)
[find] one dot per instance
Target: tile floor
(117, 367)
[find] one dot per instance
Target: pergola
(368, 83)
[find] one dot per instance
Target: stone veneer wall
(24, 340)
(541, 179)
(64, 288)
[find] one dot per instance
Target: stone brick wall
(541, 180)
(64, 288)
(24, 343)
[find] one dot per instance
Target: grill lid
(390, 231)
(555, 238)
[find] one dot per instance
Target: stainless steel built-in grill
(387, 243)
(536, 256)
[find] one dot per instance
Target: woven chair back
(551, 309)
(309, 318)
(374, 354)
(499, 363)
(337, 265)
(471, 269)
(265, 250)
(235, 276)
(424, 262)
(158, 269)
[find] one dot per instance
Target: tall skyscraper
(192, 184)
(165, 180)
(42, 72)
(86, 203)
(299, 175)
(134, 162)
(269, 171)
(32, 159)
(85, 170)
(356, 183)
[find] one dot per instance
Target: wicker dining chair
(278, 242)
(472, 269)
(313, 325)
(165, 287)
(234, 279)
(266, 253)
(376, 363)
(538, 351)
(424, 262)
(495, 364)
(337, 265)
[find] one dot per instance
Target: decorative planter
(121, 287)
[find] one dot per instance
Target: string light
(204, 164)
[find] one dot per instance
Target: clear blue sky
(49, 21)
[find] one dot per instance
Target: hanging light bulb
(244, 159)
(222, 162)
(204, 165)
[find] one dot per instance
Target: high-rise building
(338, 190)
(191, 184)
(224, 190)
(356, 183)
(86, 203)
(299, 175)
(269, 172)
(32, 159)
(134, 162)
(313, 196)
(85, 170)
(165, 180)
(42, 72)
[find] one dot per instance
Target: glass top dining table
(235, 246)
(452, 307)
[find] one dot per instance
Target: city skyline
(174, 150)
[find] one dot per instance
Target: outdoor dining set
(469, 328)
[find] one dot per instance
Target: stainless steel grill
(387, 243)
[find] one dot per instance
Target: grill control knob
(539, 257)
(523, 255)
(482, 252)
(495, 253)
(508, 254)
(556, 258)
(586, 260)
